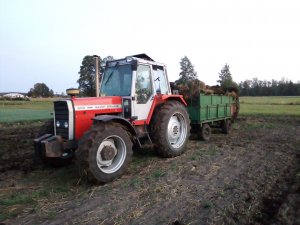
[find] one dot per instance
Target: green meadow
(41, 109)
(16, 111)
(273, 105)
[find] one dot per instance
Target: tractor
(135, 108)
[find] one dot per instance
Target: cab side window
(143, 85)
(160, 81)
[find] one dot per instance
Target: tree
(104, 60)
(86, 79)
(187, 71)
(225, 78)
(40, 90)
(87, 75)
(244, 86)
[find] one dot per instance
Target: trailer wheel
(104, 152)
(170, 129)
(205, 132)
(226, 126)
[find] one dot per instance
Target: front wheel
(104, 152)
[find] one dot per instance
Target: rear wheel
(205, 132)
(104, 152)
(170, 129)
(226, 126)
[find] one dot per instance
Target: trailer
(208, 111)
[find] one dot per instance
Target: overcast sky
(45, 41)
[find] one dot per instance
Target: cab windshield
(117, 81)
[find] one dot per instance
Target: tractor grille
(62, 115)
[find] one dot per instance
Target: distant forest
(256, 87)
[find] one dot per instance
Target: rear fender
(178, 98)
(160, 99)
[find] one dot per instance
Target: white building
(14, 95)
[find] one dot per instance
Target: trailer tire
(104, 152)
(205, 132)
(170, 129)
(226, 126)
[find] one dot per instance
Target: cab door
(161, 83)
(143, 92)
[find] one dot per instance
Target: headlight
(57, 124)
(66, 125)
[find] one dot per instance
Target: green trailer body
(211, 108)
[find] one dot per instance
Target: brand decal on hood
(95, 107)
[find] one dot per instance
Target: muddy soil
(16, 146)
(251, 176)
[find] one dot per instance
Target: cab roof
(142, 56)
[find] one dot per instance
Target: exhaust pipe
(97, 74)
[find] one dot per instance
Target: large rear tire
(104, 152)
(170, 129)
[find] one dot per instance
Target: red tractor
(135, 107)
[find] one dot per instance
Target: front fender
(121, 120)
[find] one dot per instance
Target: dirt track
(251, 176)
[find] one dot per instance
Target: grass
(16, 115)
(23, 198)
(37, 193)
(258, 125)
(276, 110)
(41, 109)
(16, 111)
(136, 182)
(208, 205)
(40, 104)
(271, 100)
(273, 106)
(21, 125)
(156, 174)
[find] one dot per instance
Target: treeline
(41, 90)
(256, 87)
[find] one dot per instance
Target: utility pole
(97, 74)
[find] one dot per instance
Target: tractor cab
(137, 79)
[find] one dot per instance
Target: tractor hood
(108, 104)
(85, 109)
